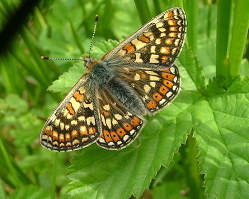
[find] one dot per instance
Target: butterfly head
(89, 62)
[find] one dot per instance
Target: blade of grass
(77, 39)
(223, 33)
(191, 9)
(239, 33)
(53, 188)
(143, 10)
(11, 168)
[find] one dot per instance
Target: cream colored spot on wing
(151, 72)
(67, 126)
(57, 122)
(153, 49)
(158, 41)
(122, 52)
(153, 84)
(90, 120)
(174, 51)
(88, 105)
(150, 35)
(147, 88)
(177, 42)
(103, 120)
(138, 58)
(154, 58)
(162, 29)
(137, 77)
(75, 104)
(62, 125)
(81, 118)
(114, 122)
(109, 123)
(138, 44)
(106, 107)
(82, 90)
(159, 25)
(69, 116)
(74, 122)
(162, 34)
(118, 117)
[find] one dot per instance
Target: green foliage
(200, 140)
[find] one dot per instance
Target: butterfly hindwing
(158, 42)
(119, 126)
(73, 124)
(156, 87)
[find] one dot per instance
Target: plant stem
(239, 33)
(223, 32)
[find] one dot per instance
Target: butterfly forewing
(73, 124)
(157, 42)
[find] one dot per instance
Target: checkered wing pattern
(156, 87)
(119, 127)
(157, 43)
(74, 123)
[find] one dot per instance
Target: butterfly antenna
(54, 58)
(94, 30)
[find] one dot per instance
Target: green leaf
(30, 192)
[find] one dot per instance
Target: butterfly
(136, 78)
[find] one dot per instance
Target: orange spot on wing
(114, 136)
(48, 131)
(170, 14)
(151, 105)
(173, 34)
(78, 97)
(172, 22)
(68, 138)
(83, 130)
(74, 134)
(169, 41)
(165, 50)
(135, 121)
(129, 48)
(121, 132)
(173, 29)
(163, 89)
(92, 130)
(168, 83)
(167, 76)
(85, 139)
(105, 113)
(127, 126)
(61, 137)
(164, 59)
(55, 135)
(157, 97)
(144, 39)
(76, 142)
(70, 108)
(107, 136)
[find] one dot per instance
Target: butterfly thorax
(105, 78)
